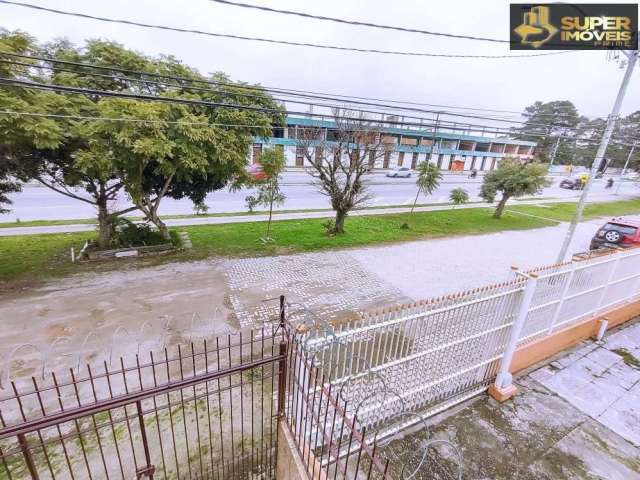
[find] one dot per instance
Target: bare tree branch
(341, 161)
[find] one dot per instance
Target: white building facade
(409, 147)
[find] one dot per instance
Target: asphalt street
(40, 203)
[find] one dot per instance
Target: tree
(513, 178)
(459, 196)
(545, 123)
(339, 161)
(429, 176)
(269, 193)
(7, 185)
(150, 150)
(200, 208)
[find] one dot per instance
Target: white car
(402, 172)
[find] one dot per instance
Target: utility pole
(624, 169)
(626, 164)
(554, 151)
(602, 148)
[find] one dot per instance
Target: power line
(365, 24)
(279, 91)
(359, 23)
(215, 124)
(128, 120)
(270, 40)
(179, 100)
(189, 87)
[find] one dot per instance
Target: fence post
(282, 364)
(563, 296)
(28, 459)
(148, 470)
(610, 275)
(503, 389)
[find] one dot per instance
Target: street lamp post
(602, 148)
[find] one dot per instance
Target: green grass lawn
(37, 256)
(92, 221)
(34, 257)
(564, 211)
(308, 235)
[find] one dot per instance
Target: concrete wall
(290, 465)
(539, 350)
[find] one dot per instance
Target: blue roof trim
(291, 142)
(312, 122)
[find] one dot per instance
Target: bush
(129, 234)
(459, 196)
(251, 202)
(330, 227)
(200, 208)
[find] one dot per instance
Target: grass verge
(92, 221)
(36, 257)
(563, 212)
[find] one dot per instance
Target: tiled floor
(577, 418)
(602, 381)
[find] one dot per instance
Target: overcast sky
(587, 79)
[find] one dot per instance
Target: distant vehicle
(256, 171)
(402, 172)
(573, 183)
(618, 232)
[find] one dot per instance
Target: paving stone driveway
(328, 285)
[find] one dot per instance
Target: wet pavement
(575, 418)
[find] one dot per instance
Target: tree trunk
(415, 200)
(500, 207)
(104, 224)
(162, 227)
(269, 222)
(340, 216)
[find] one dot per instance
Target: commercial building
(409, 146)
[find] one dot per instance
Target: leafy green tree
(459, 196)
(251, 202)
(7, 185)
(150, 150)
(200, 208)
(429, 176)
(269, 192)
(544, 123)
(624, 135)
(513, 178)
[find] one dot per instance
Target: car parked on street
(256, 171)
(617, 232)
(402, 172)
(573, 183)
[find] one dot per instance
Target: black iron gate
(206, 411)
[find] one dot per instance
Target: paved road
(178, 222)
(40, 203)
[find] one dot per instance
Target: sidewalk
(180, 222)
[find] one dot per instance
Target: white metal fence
(439, 352)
